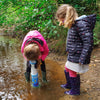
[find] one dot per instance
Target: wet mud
(13, 85)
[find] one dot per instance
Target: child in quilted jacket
(34, 49)
(79, 45)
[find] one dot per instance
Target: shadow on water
(12, 82)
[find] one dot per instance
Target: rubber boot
(44, 77)
(75, 86)
(27, 76)
(68, 84)
(35, 82)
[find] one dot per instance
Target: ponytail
(68, 13)
(70, 17)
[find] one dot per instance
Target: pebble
(97, 61)
(94, 65)
(88, 81)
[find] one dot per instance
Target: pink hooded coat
(35, 34)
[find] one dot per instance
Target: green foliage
(9, 41)
(60, 1)
(97, 33)
(29, 15)
(21, 16)
(88, 7)
(83, 6)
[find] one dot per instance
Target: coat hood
(89, 20)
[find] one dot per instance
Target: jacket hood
(89, 19)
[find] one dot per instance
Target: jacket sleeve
(86, 35)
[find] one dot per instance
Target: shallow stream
(12, 81)
(13, 85)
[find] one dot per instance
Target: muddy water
(14, 87)
(12, 81)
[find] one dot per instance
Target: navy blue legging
(43, 68)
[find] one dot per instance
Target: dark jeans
(43, 68)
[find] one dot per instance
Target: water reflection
(12, 82)
(9, 67)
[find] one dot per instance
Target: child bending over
(34, 49)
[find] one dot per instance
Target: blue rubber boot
(75, 86)
(68, 84)
(35, 82)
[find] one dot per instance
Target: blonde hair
(32, 51)
(68, 13)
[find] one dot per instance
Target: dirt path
(90, 81)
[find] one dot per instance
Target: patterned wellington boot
(75, 86)
(68, 84)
